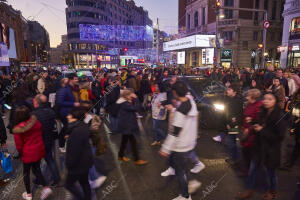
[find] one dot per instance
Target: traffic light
(125, 50)
(218, 5)
(98, 62)
(260, 46)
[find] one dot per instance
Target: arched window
(196, 19)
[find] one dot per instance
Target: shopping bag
(6, 162)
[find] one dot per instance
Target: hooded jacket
(183, 131)
(29, 140)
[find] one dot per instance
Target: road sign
(267, 24)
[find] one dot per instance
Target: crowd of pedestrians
(47, 106)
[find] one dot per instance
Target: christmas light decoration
(115, 33)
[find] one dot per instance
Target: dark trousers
(51, 163)
(247, 157)
(36, 169)
(133, 143)
(295, 154)
(84, 183)
(62, 134)
(178, 161)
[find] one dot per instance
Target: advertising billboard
(193, 41)
(7, 37)
(4, 59)
(181, 58)
(208, 56)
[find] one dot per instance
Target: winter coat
(296, 78)
(46, 117)
(292, 86)
(234, 108)
(29, 140)
(252, 111)
(112, 107)
(79, 157)
(267, 142)
(145, 87)
(127, 122)
(65, 100)
(41, 86)
(131, 83)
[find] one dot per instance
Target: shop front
(294, 56)
(92, 61)
(193, 51)
(226, 58)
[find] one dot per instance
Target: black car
(210, 99)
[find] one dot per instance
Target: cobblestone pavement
(129, 182)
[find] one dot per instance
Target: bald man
(47, 116)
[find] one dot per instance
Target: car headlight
(219, 107)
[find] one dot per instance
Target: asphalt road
(126, 181)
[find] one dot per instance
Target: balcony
(229, 22)
(199, 29)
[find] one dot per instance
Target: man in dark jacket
(79, 156)
(66, 101)
(112, 95)
(234, 112)
(46, 117)
(131, 81)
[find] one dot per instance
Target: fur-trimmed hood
(25, 126)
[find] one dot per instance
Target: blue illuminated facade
(115, 33)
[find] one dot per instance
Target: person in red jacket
(30, 145)
(250, 115)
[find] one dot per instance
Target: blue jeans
(232, 146)
(193, 157)
(158, 132)
(254, 168)
(51, 164)
(93, 173)
(178, 161)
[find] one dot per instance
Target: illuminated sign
(190, 42)
(226, 55)
(181, 58)
(208, 56)
(91, 32)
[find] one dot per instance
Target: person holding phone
(269, 133)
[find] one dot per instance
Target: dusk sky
(51, 14)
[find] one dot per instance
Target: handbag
(6, 162)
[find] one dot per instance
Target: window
(228, 14)
(227, 36)
(245, 45)
(203, 16)
(255, 35)
(274, 8)
(266, 4)
(229, 3)
(196, 16)
(189, 22)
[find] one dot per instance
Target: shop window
(295, 28)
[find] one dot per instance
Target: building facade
(181, 15)
(96, 26)
(290, 48)
(37, 43)
(239, 32)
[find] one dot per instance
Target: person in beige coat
(41, 83)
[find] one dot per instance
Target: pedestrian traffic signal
(260, 46)
(125, 50)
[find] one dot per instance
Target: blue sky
(51, 14)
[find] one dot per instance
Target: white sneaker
(182, 198)
(198, 168)
(27, 196)
(46, 192)
(217, 138)
(169, 172)
(62, 149)
(98, 182)
(193, 186)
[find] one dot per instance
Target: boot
(244, 195)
